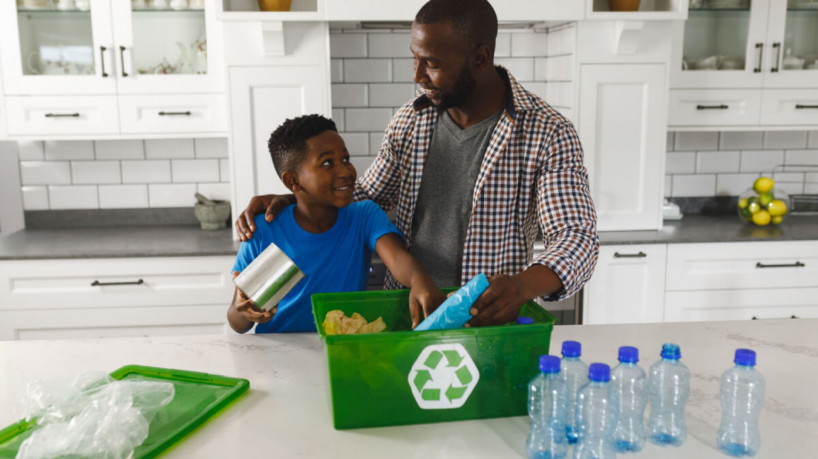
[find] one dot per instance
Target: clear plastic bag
(454, 312)
(93, 416)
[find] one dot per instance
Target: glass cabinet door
(799, 50)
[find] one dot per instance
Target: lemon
(742, 203)
(777, 208)
(753, 207)
(777, 219)
(765, 198)
(763, 184)
(761, 218)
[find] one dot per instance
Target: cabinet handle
(759, 57)
(800, 106)
(777, 48)
(793, 316)
(102, 61)
(62, 115)
(640, 254)
(712, 107)
(97, 283)
(187, 113)
(122, 61)
(797, 264)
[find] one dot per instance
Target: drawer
(56, 115)
(173, 114)
(741, 304)
(790, 107)
(742, 265)
(115, 282)
(732, 107)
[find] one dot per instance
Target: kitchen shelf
(247, 10)
(649, 10)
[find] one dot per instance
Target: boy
(329, 237)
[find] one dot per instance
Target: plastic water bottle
(742, 395)
(547, 406)
(595, 416)
(575, 375)
(525, 320)
(629, 397)
(668, 390)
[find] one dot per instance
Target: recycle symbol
(443, 377)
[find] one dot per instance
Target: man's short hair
(288, 143)
(475, 19)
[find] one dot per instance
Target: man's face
(326, 176)
(441, 62)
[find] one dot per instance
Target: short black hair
(288, 142)
(474, 19)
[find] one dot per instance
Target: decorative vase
(621, 5)
(274, 5)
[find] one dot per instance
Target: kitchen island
(287, 412)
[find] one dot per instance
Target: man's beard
(463, 88)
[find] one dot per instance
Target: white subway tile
(45, 173)
(569, 114)
(717, 161)
(730, 140)
(403, 70)
(568, 41)
(502, 46)
(687, 141)
(123, 196)
(389, 45)
(552, 94)
(761, 161)
(338, 118)
(367, 119)
(349, 95)
(194, 170)
(522, 68)
(30, 150)
(540, 69)
(119, 149)
(810, 188)
(73, 197)
(347, 45)
(566, 93)
(357, 143)
(669, 144)
(361, 163)
(390, 94)
(790, 188)
(375, 143)
(693, 185)
(788, 177)
(813, 139)
(64, 150)
(210, 147)
(553, 43)
(95, 172)
(224, 170)
(368, 70)
(336, 70)
(680, 163)
(541, 89)
(148, 171)
(774, 140)
(807, 157)
(35, 198)
(525, 44)
(668, 185)
(169, 148)
(215, 191)
(734, 184)
(811, 177)
(173, 195)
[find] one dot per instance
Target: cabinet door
(628, 285)
(49, 51)
(261, 99)
(622, 124)
(372, 10)
(741, 304)
(792, 32)
(792, 107)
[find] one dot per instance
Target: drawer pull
(97, 283)
(102, 61)
(712, 107)
(801, 106)
(777, 47)
(791, 317)
(187, 113)
(62, 115)
(122, 60)
(640, 254)
(760, 57)
(797, 264)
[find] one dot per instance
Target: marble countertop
(287, 409)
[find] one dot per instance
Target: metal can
(268, 278)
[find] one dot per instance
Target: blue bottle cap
(746, 357)
(549, 364)
(571, 349)
(523, 320)
(599, 372)
(671, 351)
(628, 354)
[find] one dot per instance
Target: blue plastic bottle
(629, 397)
(595, 416)
(575, 375)
(547, 406)
(668, 391)
(524, 320)
(742, 395)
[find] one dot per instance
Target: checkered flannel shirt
(532, 180)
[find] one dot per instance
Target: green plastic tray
(198, 396)
(372, 375)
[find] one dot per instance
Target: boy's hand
(424, 296)
(249, 310)
(270, 204)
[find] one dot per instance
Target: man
(472, 165)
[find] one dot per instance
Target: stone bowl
(213, 216)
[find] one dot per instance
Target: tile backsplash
(705, 164)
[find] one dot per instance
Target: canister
(268, 278)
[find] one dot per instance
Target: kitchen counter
(287, 410)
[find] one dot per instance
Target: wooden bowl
(274, 5)
(621, 5)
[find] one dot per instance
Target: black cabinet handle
(712, 107)
(777, 47)
(122, 60)
(797, 264)
(802, 106)
(760, 57)
(640, 254)
(793, 316)
(102, 61)
(62, 115)
(97, 283)
(187, 113)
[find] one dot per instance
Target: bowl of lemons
(763, 204)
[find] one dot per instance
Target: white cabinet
(405, 10)
(114, 297)
(628, 285)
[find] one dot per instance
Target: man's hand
(426, 297)
(270, 204)
(499, 304)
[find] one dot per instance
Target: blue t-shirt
(336, 260)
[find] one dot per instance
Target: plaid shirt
(531, 180)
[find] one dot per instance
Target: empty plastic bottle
(629, 397)
(742, 395)
(668, 391)
(547, 406)
(574, 373)
(595, 416)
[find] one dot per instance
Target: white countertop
(286, 412)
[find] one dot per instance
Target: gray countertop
(167, 241)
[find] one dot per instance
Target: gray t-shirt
(444, 201)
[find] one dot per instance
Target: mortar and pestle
(213, 215)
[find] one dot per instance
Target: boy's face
(325, 177)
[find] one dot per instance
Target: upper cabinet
(761, 56)
(96, 67)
